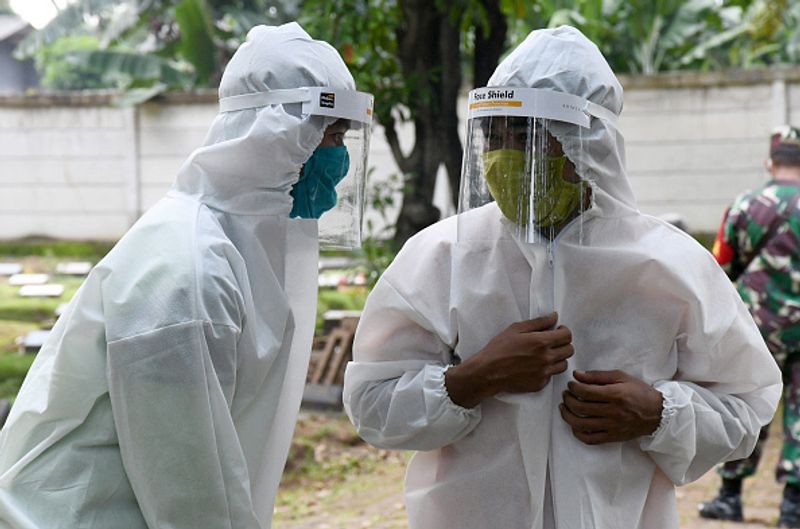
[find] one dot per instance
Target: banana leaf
(197, 43)
(72, 21)
(137, 96)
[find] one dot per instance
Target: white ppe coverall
(638, 295)
(167, 394)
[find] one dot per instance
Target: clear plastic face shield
(332, 183)
(521, 143)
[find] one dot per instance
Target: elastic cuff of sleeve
(472, 412)
(668, 410)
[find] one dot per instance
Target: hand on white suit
(521, 359)
(610, 406)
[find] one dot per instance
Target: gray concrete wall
(75, 166)
(696, 140)
(63, 171)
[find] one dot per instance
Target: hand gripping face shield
(520, 149)
(332, 184)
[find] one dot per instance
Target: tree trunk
(489, 46)
(429, 51)
(450, 143)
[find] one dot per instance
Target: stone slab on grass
(74, 268)
(50, 290)
(19, 280)
(32, 342)
(10, 269)
(341, 314)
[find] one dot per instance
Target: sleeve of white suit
(176, 435)
(722, 395)
(394, 390)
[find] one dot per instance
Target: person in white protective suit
(168, 391)
(557, 358)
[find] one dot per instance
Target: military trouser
(788, 469)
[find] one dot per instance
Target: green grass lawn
(14, 308)
(13, 368)
(19, 315)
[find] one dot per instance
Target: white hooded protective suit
(167, 394)
(638, 295)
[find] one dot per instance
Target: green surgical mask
(554, 200)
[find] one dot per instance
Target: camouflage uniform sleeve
(770, 287)
(733, 238)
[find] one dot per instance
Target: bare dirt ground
(334, 481)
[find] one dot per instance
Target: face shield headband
(332, 183)
(514, 157)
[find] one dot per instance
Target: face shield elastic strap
(535, 102)
(316, 100)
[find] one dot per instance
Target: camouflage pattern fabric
(758, 246)
(788, 469)
(764, 261)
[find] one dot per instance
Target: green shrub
(343, 298)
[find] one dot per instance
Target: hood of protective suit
(546, 60)
(251, 158)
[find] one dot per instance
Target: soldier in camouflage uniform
(758, 245)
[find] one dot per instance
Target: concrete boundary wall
(75, 166)
(695, 140)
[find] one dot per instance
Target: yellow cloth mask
(554, 198)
